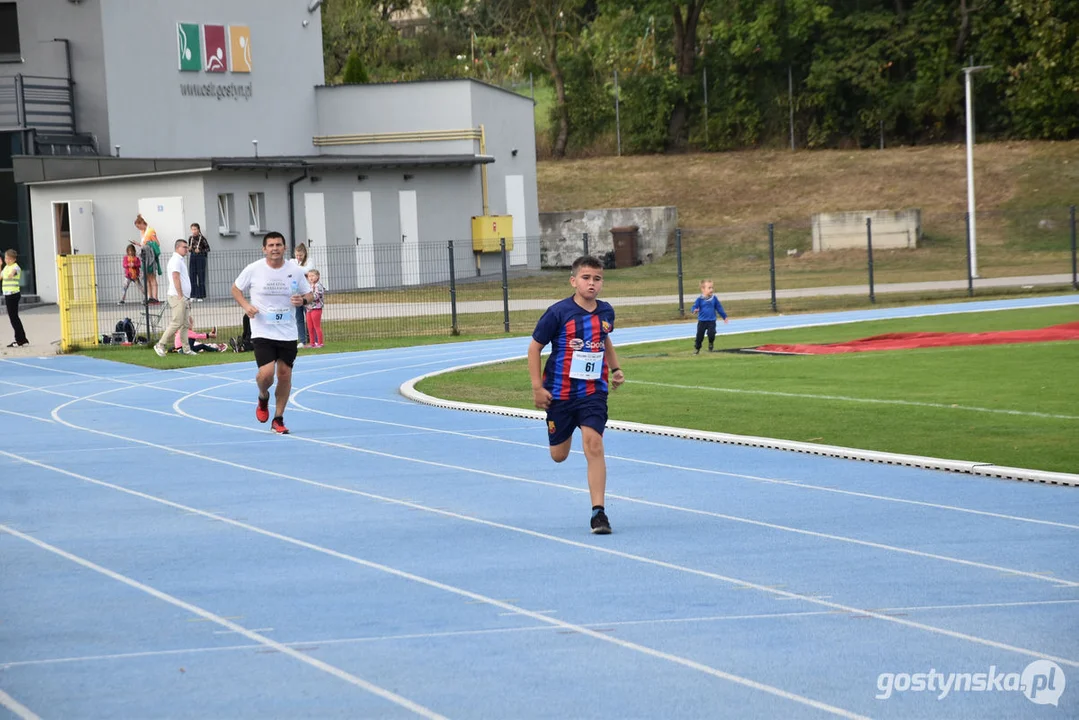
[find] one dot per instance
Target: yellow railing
(78, 301)
(398, 137)
(415, 136)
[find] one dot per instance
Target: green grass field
(1012, 405)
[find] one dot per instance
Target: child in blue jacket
(706, 307)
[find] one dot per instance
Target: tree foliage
(721, 74)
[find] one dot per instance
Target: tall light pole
(967, 72)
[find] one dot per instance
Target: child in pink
(132, 267)
(192, 336)
(314, 310)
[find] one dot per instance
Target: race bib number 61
(586, 365)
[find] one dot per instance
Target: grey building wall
(115, 205)
(509, 122)
(446, 198)
(42, 21)
(150, 117)
(396, 107)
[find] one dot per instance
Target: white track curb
(408, 389)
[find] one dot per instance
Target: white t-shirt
(271, 291)
(177, 264)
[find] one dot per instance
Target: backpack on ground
(126, 327)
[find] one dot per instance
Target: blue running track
(162, 554)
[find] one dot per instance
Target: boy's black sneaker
(696, 351)
(600, 524)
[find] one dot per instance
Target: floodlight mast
(972, 236)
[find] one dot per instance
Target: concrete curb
(408, 390)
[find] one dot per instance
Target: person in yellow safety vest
(11, 282)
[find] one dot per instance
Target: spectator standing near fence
(11, 281)
(314, 312)
(198, 247)
(277, 287)
(300, 255)
(178, 294)
(132, 271)
(151, 258)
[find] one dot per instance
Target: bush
(355, 72)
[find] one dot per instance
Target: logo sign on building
(189, 46)
(211, 47)
(216, 57)
(240, 48)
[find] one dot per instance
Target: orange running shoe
(262, 410)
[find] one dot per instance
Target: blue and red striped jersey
(568, 327)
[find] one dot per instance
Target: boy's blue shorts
(565, 416)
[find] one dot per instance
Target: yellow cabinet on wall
(487, 230)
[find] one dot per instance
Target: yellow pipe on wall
(396, 137)
(483, 169)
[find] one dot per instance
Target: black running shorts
(268, 351)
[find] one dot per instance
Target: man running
(276, 286)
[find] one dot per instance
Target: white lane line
(512, 630)
(697, 470)
(844, 398)
(27, 416)
(364, 397)
(249, 634)
(675, 508)
(707, 471)
(232, 632)
(17, 708)
(676, 659)
(778, 593)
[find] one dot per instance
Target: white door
(314, 213)
(410, 238)
(365, 239)
(166, 216)
(515, 206)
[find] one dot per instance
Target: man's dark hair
(178, 243)
(273, 235)
(587, 261)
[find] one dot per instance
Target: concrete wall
(891, 229)
(40, 22)
(561, 232)
(115, 205)
(150, 117)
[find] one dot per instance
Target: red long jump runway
(906, 341)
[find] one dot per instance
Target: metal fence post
(617, 116)
(1075, 274)
(772, 262)
(970, 262)
(585, 238)
(505, 287)
(869, 245)
(145, 302)
(454, 330)
(678, 254)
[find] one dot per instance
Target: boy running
(573, 385)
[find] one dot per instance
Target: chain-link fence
(373, 291)
(428, 289)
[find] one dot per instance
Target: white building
(215, 113)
